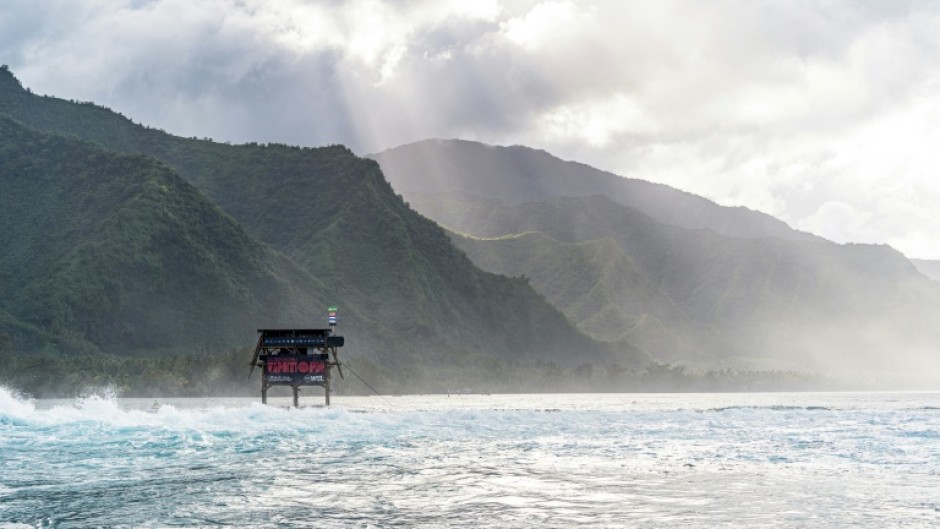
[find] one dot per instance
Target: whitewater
(648, 461)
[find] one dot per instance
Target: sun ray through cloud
(785, 108)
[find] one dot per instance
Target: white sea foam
(13, 405)
(755, 460)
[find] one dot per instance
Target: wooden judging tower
(297, 357)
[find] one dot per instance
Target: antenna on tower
(331, 317)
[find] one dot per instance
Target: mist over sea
(666, 460)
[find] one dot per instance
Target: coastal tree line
(226, 373)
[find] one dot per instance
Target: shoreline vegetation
(54, 375)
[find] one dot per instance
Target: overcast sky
(824, 113)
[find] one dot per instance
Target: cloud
(823, 112)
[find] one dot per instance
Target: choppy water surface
(739, 460)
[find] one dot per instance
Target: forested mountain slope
(117, 252)
(409, 299)
(601, 289)
(777, 302)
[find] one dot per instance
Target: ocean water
(506, 461)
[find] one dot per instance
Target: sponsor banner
(302, 341)
(294, 341)
(296, 370)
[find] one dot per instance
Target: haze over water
(691, 460)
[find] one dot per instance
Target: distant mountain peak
(518, 174)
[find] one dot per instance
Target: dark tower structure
(297, 357)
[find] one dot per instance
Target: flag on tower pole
(331, 315)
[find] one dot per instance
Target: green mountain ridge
(124, 239)
(752, 302)
(414, 308)
(114, 252)
(596, 285)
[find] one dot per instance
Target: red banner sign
(296, 370)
